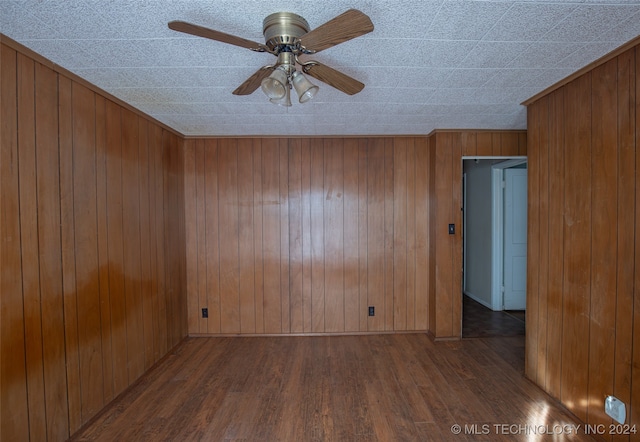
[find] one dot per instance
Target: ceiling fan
(287, 36)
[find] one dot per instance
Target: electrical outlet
(205, 312)
(616, 409)
(372, 311)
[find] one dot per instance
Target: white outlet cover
(615, 408)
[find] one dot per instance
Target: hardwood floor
(396, 387)
(479, 321)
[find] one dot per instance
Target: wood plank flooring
(390, 387)
(479, 321)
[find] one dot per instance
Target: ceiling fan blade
(201, 31)
(348, 25)
(334, 78)
(252, 83)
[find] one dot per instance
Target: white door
(515, 239)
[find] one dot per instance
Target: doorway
(494, 246)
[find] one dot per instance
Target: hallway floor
(479, 321)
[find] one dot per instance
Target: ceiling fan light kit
(287, 36)
(304, 88)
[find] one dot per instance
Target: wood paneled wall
(583, 282)
(91, 252)
(448, 148)
(302, 235)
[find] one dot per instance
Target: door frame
(497, 216)
(497, 243)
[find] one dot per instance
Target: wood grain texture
(81, 292)
(48, 191)
(374, 388)
(86, 251)
(444, 294)
(331, 227)
(29, 246)
(15, 411)
(555, 280)
(627, 158)
(604, 206)
(584, 147)
(534, 122)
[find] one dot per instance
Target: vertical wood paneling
(388, 235)
(509, 144)
(363, 263)
(522, 143)
(212, 240)
(86, 251)
(456, 240)
(15, 414)
(469, 143)
(433, 210)
(131, 237)
(484, 144)
(162, 341)
(258, 199)
(317, 236)
(336, 225)
(577, 247)
(555, 287)
(334, 234)
(400, 208)
(116, 247)
(307, 257)
(351, 283)
(411, 234)
(245, 236)
(284, 236)
(531, 354)
(190, 204)
(67, 229)
(331, 227)
(201, 279)
(272, 305)
(145, 243)
(542, 176)
(626, 211)
(155, 137)
(496, 144)
(228, 218)
(422, 227)
(295, 219)
(375, 233)
(29, 247)
(444, 244)
(48, 191)
(174, 230)
(76, 320)
(635, 366)
(103, 248)
(590, 188)
(604, 221)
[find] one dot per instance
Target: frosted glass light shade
(275, 85)
(304, 88)
(284, 101)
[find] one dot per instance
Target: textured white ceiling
(428, 64)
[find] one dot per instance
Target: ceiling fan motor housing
(282, 30)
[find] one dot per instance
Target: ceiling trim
(307, 137)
